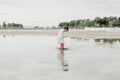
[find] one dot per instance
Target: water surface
(38, 58)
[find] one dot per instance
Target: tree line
(11, 26)
(96, 22)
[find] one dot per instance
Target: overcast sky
(52, 12)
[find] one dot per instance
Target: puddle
(38, 57)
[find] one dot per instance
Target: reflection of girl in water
(61, 58)
(61, 37)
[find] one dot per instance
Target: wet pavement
(38, 58)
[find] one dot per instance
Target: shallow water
(38, 58)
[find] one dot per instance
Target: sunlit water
(38, 58)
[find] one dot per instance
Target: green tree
(97, 22)
(87, 22)
(4, 26)
(105, 22)
(79, 24)
(119, 22)
(115, 23)
(14, 26)
(72, 24)
(63, 24)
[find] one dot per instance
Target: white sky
(52, 12)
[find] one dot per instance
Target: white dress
(61, 36)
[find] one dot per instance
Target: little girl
(61, 37)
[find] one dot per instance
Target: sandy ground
(71, 33)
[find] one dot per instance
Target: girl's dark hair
(66, 27)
